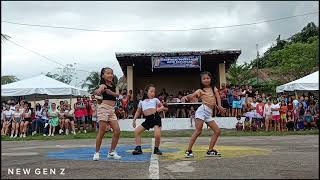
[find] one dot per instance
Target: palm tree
(4, 37)
(8, 79)
(92, 81)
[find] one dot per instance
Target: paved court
(286, 157)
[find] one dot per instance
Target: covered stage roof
(142, 60)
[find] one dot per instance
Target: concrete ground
(275, 157)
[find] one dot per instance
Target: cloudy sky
(93, 50)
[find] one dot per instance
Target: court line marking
(154, 163)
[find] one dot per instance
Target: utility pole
(257, 63)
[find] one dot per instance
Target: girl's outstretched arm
(196, 94)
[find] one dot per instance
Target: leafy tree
(8, 79)
(239, 74)
(4, 37)
(65, 75)
(297, 59)
(308, 31)
(93, 80)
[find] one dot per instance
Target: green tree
(297, 59)
(8, 79)
(308, 31)
(93, 81)
(4, 37)
(65, 74)
(239, 74)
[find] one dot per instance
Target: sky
(93, 50)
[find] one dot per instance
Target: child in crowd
(239, 125)
(53, 119)
(209, 95)
(308, 119)
(192, 113)
(283, 115)
(247, 124)
(150, 107)
(94, 107)
(61, 118)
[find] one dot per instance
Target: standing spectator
(250, 94)
(130, 104)
(125, 102)
(94, 107)
(85, 113)
(164, 94)
(192, 116)
(275, 108)
(283, 115)
(224, 101)
(78, 113)
(53, 119)
(230, 99)
(259, 110)
(90, 113)
(180, 109)
(236, 103)
(267, 113)
(300, 111)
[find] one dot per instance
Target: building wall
(172, 82)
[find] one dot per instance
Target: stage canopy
(307, 83)
(40, 85)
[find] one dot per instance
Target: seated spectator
(247, 124)
(308, 119)
(290, 121)
(192, 116)
(239, 124)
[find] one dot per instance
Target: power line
(160, 30)
(48, 59)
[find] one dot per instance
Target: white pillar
(129, 78)
(222, 74)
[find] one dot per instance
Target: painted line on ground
(154, 164)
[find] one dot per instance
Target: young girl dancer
(209, 95)
(150, 107)
(54, 119)
(106, 113)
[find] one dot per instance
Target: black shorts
(151, 121)
(28, 119)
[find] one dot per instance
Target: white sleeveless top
(149, 103)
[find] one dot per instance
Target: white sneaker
(34, 132)
(113, 155)
(60, 131)
(20, 135)
(74, 133)
(11, 136)
(52, 134)
(96, 156)
(24, 135)
(15, 136)
(44, 135)
(67, 131)
(45, 126)
(85, 131)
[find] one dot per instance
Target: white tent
(41, 85)
(307, 83)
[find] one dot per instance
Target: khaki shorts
(106, 112)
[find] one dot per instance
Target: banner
(176, 62)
